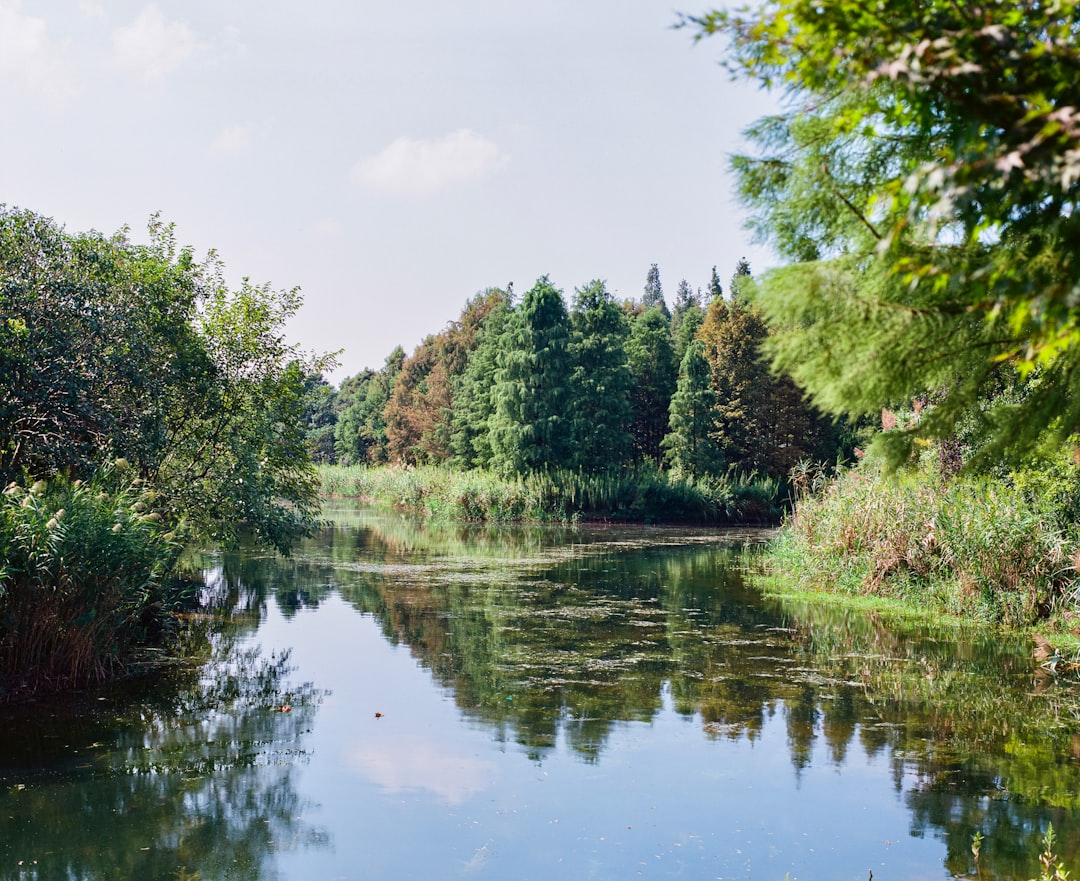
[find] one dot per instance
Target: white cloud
(415, 167)
(409, 763)
(152, 46)
(29, 59)
(234, 139)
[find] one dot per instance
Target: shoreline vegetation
(972, 549)
(145, 407)
(997, 551)
(638, 495)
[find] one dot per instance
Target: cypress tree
(652, 365)
(653, 295)
(689, 446)
(474, 403)
(602, 380)
(532, 427)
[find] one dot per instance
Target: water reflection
(545, 636)
(548, 643)
(188, 775)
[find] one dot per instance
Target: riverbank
(990, 551)
(637, 495)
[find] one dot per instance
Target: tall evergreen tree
(651, 358)
(653, 295)
(601, 380)
(685, 319)
(474, 403)
(320, 418)
(532, 427)
(715, 291)
(763, 421)
(361, 431)
(690, 447)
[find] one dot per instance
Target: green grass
(643, 494)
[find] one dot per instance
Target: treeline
(143, 406)
(521, 386)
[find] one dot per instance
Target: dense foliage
(134, 360)
(531, 386)
(923, 179)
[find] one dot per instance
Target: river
(410, 701)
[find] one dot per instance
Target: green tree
(99, 354)
(653, 295)
(686, 318)
(110, 350)
(924, 181)
(532, 426)
(690, 447)
(361, 433)
(349, 448)
(716, 290)
(763, 422)
(601, 380)
(320, 418)
(474, 404)
(651, 358)
(241, 459)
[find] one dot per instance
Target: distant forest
(523, 384)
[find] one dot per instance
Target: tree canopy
(923, 180)
(111, 350)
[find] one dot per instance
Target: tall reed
(83, 579)
(642, 494)
(975, 547)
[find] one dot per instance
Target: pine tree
(689, 446)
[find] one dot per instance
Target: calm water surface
(410, 702)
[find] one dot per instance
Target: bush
(83, 581)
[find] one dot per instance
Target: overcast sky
(389, 159)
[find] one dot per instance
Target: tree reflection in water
(186, 775)
(544, 633)
(546, 636)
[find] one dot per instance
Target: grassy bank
(993, 551)
(84, 580)
(643, 495)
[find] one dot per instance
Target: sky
(389, 159)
